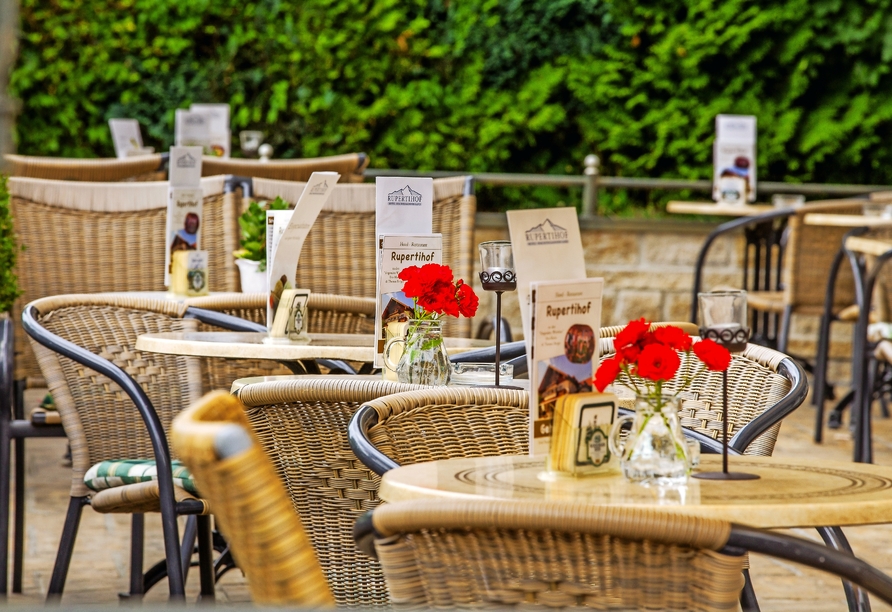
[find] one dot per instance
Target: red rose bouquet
(650, 358)
(434, 293)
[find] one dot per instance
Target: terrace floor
(99, 568)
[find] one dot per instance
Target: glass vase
(655, 451)
(424, 360)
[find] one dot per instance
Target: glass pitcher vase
(424, 360)
(655, 451)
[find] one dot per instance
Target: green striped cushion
(109, 474)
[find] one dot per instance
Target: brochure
(126, 136)
(395, 253)
(184, 204)
(563, 351)
(734, 159)
(547, 245)
(218, 132)
(287, 246)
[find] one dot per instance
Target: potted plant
(9, 289)
(251, 258)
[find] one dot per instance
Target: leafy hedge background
(482, 85)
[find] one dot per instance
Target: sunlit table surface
(846, 220)
(254, 345)
(790, 493)
(713, 208)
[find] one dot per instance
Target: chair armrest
(365, 451)
(364, 535)
(220, 319)
(508, 350)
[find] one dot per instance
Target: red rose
(673, 337)
(633, 333)
(658, 362)
(628, 354)
(714, 356)
(467, 299)
(607, 373)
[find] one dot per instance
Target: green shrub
(481, 85)
(9, 289)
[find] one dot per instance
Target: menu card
(282, 265)
(219, 136)
(395, 253)
(184, 204)
(734, 159)
(547, 245)
(127, 138)
(403, 205)
(563, 348)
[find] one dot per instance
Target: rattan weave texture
(143, 168)
(302, 426)
(90, 238)
(251, 507)
(479, 554)
(99, 418)
(350, 166)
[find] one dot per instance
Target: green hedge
(484, 85)
(9, 250)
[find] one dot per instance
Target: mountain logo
(319, 188)
(547, 233)
(404, 197)
(186, 161)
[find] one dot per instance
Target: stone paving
(100, 569)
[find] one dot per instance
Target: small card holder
(579, 443)
(189, 276)
(290, 320)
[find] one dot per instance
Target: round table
(788, 494)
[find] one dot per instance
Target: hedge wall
(485, 85)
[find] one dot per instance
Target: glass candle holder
(250, 141)
(723, 318)
(497, 263)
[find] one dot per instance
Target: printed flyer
(184, 204)
(734, 159)
(126, 136)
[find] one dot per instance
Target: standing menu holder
(734, 159)
(219, 136)
(127, 138)
(184, 205)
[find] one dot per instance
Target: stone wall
(648, 269)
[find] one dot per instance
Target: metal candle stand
(499, 281)
(735, 341)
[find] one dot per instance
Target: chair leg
(188, 547)
(783, 336)
(5, 476)
(206, 558)
(856, 598)
(137, 541)
(66, 547)
(18, 548)
(748, 601)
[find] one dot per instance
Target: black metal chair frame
(170, 509)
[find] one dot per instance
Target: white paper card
(563, 353)
(286, 252)
(126, 136)
(218, 132)
(185, 167)
(184, 204)
(192, 129)
(547, 245)
(734, 157)
(404, 205)
(395, 253)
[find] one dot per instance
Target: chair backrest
(339, 254)
(302, 425)
(251, 508)
(809, 256)
(97, 237)
(461, 554)
(351, 167)
(99, 416)
(142, 168)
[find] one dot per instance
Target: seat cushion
(119, 472)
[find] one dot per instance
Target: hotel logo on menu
(404, 197)
(547, 233)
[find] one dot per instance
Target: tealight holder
(497, 261)
(723, 320)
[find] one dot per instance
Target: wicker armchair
(117, 404)
(250, 505)
(302, 425)
(476, 554)
(338, 256)
(142, 168)
(350, 166)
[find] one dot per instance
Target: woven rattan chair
(302, 425)
(116, 404)
(473, 554)
(350, 166)
(142, 168)
(251, 507)
(339, 254)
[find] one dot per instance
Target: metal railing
(591, 181)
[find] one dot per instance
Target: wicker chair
(339, 254)
(328, 314)
(302, 425)
(473, 554)
(142, 168)
(351, 167)
(250, 505)
(85, 346)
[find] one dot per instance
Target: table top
(790, 493)
(846, 220)
(713, 208)
(252, 345)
